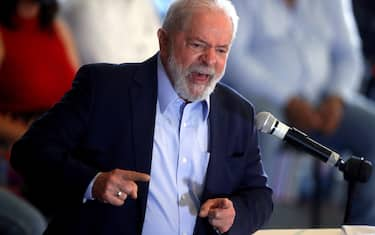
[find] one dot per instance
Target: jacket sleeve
(253, 201)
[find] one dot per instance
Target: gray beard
(180, 78)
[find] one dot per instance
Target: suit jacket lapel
(216, 142)
(143, 100)
(218, 131)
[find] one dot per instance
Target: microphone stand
(349, 200)
(317, 197)
(355, 170)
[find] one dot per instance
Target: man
(301, 60)
(156, 147)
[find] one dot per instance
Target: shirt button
(184, 160)
(184, 124)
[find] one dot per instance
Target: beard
(183, 81)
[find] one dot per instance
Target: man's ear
(163, 42)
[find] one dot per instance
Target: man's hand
(220, 213)
(331, 110)
(115, 186)
(302, 115)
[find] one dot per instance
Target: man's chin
(197, 96)
(195, 92)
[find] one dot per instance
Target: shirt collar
(167, 94)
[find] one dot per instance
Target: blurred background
(43, 43)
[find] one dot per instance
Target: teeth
(202, 74)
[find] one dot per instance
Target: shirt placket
(183, 169)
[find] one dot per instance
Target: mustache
(202, 69)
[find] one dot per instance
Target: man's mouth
(200, 78)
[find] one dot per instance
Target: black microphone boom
(267, 123)
(357, 169)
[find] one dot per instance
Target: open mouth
(200, 78)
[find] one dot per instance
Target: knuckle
(105, 198)
(126, 189)
(106, 189)
(134, 187)
(216, 214)
(117, 203)
(121, 202)
(112, 177)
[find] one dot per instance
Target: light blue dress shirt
(309, 50)
(179, 162)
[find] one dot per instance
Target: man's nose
(209, 56)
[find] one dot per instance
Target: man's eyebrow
(206, 43)
(199, 40)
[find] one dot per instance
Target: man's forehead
(209, 13)
(205, 26)
(209, 17)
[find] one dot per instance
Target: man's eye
(221, 50)
(196, 45)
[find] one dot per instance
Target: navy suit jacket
(107, 121)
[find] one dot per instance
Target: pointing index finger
(136, 176)
(206, 207)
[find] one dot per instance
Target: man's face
(195, 57)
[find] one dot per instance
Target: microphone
(267, 123)
(355, 168)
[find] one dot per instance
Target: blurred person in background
(162, 6)
(301, 60)
(114, 31)
(19, 217)
(364, 12)
(37, 65)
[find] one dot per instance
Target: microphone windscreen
(264, 121)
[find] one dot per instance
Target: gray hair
(180, 12)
